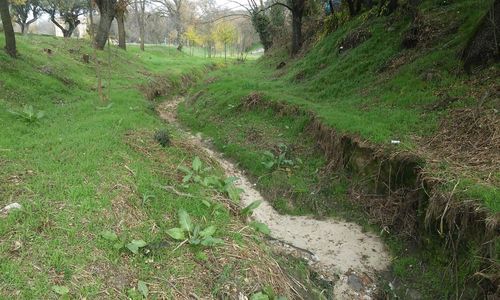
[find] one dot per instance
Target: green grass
(88, 167)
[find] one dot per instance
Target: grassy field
(91, 180)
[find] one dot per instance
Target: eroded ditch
(339, 251)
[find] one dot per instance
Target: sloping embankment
(401, 196)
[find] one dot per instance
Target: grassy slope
(86, 168)
(348, 92)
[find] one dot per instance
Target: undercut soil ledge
(400, 193)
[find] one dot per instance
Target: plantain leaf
(259, 296)
(60, 290)
(234, 193)
(176, 234)
(109, 235)
(143, 288)
(185, 221)
(209, 231)
(251, 207)
(261, 227)
(210, 241)
(197, 164)
(134, 245)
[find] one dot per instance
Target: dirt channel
(339, 251)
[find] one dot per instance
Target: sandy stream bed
(339, 251)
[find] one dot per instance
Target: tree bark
(296, 33)
(352, 11)
(107, 13)
(297, 14)
(120, 19)
(141, 33)
(140, 11)
(10, 37)
(179, 29)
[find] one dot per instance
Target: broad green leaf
(40, 115)
(210, 241)
(187, 178)
(196, 231)
(197, 179)
(177, 234)
(133, 248)
(195, 241)
(118, 245)
(261, 227)
(230, 180)
(184, 169)
(109, 235)
(234, 193)
(209, 231)
(143, 288)
(206, 203)
(60, 289)
(212, 181)
(197, 164)
(251, 207)
(268, 165)
(185, 220)
(139, 243)
(269, 154)
(259, 296)
(134, 245)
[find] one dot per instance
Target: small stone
(10, 207)
(355, 282)
(413, 294)
(16, 246)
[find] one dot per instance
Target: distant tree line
(179, 22)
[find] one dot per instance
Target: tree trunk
(296, 32)
(120, 19)
(10, 37)
(352, 11)
(358, 6)
(298, 7)
(107, 13)
(178, 28)
(141, 34)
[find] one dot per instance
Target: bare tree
(121, 9)
(67, 10)
(10, 37)
(140, 12)
(22, 12)
(261, 21)
(174, 10)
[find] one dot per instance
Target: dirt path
(338, 250)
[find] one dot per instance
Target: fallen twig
(175, 191)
